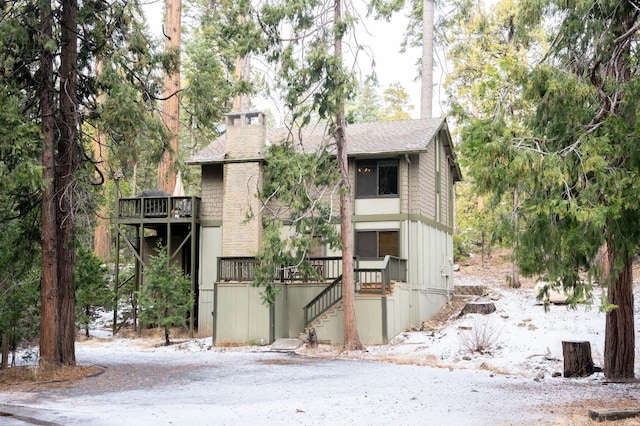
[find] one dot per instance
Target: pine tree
(48, 69)
(165, 298)
(366, 105)
(92, 288)
(396, 102)
(563, 133)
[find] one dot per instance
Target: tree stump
(483, 308)
(577, 359)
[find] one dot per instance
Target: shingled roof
(363, 139)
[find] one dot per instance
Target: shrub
(482, 337)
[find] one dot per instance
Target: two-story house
(402, 177)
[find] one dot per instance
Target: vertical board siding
(210, 250)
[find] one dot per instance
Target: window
(376, 178)
(377, 244)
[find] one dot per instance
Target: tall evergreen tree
(571, 150)
(365, 106)
(49, 56)
(172, 31)
(490, 62)
(585, 129)
(396, 103)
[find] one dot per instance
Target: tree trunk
(242, 72)
(619, 343)
(577, 359)
(49, 316)
(67, 166)
(171, 104)
(5, 351)
(87, 313)
(515, 275)
(426, 98)
(351, 339)
(101, 239)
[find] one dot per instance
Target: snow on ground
(428, 377)
(520, 338)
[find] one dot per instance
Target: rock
(483, 308)
(554, 292)
(469, 290)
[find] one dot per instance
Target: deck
(158, 210)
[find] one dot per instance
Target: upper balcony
(158, 210)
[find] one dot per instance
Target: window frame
(359, 233)
(361, 181)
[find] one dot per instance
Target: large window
(376, 178)
(377, 244)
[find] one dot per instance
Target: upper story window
(375, 178)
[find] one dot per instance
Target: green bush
(461, 248)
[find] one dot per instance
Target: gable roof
(363, 139)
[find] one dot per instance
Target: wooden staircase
(321, 322)
(374, 282)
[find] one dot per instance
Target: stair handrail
(393, 269)
(323, 301)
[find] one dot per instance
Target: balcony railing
(159, 207)
(379, 280)
(242, 269)
(239, 269)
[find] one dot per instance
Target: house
(403, 175)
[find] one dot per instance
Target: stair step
(375, 288)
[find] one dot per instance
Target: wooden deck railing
(378, 280)
(239, 269)
(158, 207)
(242, 269)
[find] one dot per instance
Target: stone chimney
(245, 141)
(246, 134)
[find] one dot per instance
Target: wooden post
(577, 359)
